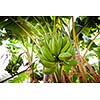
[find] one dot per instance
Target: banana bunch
(56, 48)
(14, 65)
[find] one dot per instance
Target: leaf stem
(74, 34)
(54, 30)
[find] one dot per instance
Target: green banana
(46, 52)
(59, 43)
(54, 46)
(64, 56)
(70, 47)
(50, 45)
(64, 39)
(64, 49)
(41, 55)
(71, 50)
(46, 39)
(47, 64)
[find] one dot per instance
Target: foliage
(20, 78)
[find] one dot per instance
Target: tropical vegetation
(51, 49)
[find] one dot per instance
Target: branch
(14, 75)
(27, 69)
(90, 44)
(89, 20)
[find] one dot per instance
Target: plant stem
(55, 77)
(90, 44)
(82, 72)
(54, 30)
(74, 34)
(14, 75)
(95, 75)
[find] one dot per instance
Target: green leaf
(65, 56)
(52, 17)
(20, 78)
(73, 62)
(75, 78)
(67, 68)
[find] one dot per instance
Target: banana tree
(58, 42)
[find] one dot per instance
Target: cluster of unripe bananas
(56, 49)
(14, 65)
